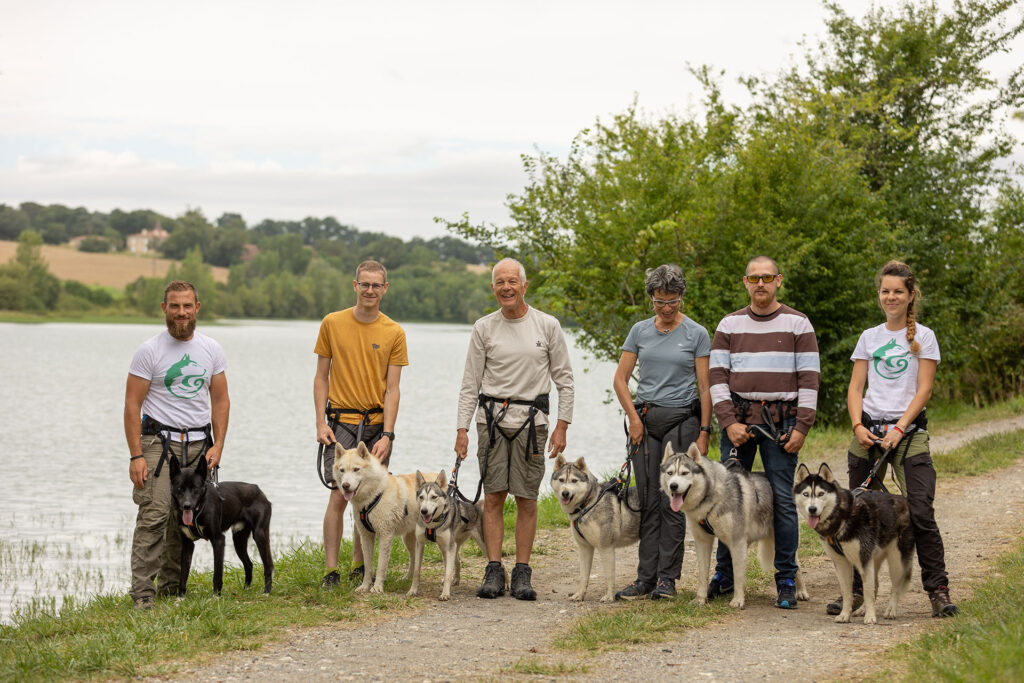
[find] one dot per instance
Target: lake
(66, 517)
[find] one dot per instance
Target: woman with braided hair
(897, 359)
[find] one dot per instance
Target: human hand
(795, 442)
(737, 433)
(138, 472)
(864, 437)
(461, 443)
(556, 444)
(636, 429)
(213, 455)
(381, 448)
(703, 439)
(324, 434)
(891, 439)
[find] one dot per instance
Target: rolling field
(109, 270)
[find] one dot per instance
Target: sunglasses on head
(754, 279)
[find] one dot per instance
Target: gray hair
(522, 271)
(665, 278)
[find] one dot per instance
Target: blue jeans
(780, 467)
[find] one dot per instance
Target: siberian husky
(858, 532)
(730, 503)
(450, 520)
(382, 503)
(598, 521)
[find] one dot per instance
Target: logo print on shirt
(540, 345)
(185, 378)
(890, 361)
(375, 346)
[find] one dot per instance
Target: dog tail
(766, 553)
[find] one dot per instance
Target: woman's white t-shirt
(892, 368)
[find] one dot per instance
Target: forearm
(133, 429)
(220, 413)
(918, 403)
(624, 396)
(391, 398)
(320, 389)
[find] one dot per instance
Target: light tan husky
(382, 503)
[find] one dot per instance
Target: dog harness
(151, 427)
(431, 534)
(541, 403)
(333, 419)
(364, 514)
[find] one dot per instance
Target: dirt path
(469, 638)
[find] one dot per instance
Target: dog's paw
(377, 590)
(891, 613)
(859, 612)
(700, 600)
(608, 597)
(870, 619)
(737, 602)
(802, 594)
(361, 588)
(577, 596)
(843, 618)
(412, 592)
(444, 596)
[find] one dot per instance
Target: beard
(181, 329)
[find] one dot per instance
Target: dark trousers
(780, 467)
(920, 475)
(662, 531)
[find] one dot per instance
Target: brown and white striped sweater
(765, 358)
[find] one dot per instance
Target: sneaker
(494, 581)
(787, 594)
(638, 590)
(145, 602)
(666, 588)
(719, 586)
(836, 606)
(521, 588)
(942, 606)
(357, 574)
(331, 579)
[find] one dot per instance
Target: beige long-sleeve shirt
(516, 359)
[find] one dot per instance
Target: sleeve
(220, 361)
(142, 363)
(930, 347)
(631, 344)
(323, 341)
(719, 363)
(808, 374)
(703, 343)
(860, 352)
(472, 378)
(399, 352)
(561, 370)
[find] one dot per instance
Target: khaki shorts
(509, 467)
(918, 446)
(346, 436)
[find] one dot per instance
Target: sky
(383, 115)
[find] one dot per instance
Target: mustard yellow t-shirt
(360, 354)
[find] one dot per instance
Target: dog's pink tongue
(428, 519)
(676, 503)
(347, 495)
(812, 520)
(186, 517)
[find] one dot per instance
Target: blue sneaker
(719, 586)
(787, 594)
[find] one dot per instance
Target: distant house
(249, 252)
(148, 240)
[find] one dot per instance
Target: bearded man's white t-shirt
(179, 374)
(892, 368)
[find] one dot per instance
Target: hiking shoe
(331, 579)
(787, 594)
(145, 602)
(494, 581)
(719, 586)
(521, 588)
(942, 606)
(357, 574)
(666, 588)
(836, 606)
(638, 590)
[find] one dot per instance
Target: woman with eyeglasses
(898, 359)
(673, 404)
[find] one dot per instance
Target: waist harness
(541, 403)
(151, 427)
(333, 419)
(772, 428)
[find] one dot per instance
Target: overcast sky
(382, 114)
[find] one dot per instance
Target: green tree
(12, 222)
(192, 231)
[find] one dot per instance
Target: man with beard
(176, 383)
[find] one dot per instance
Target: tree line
(886, 141)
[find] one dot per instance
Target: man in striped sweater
(765, 371)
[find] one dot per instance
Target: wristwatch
(706, 429)
(390, 435)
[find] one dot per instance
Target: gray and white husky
(730, 503)
(858, 531)
(601, 522)
(451, 520)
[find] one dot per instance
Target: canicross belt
(333, 420)
(541, 403)
(151, 427)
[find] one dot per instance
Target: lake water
(66, 515)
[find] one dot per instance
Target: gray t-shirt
(666, 361)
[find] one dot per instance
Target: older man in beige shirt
(514, 354)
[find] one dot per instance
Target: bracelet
(897, 428)
(390, 435)
(859, 424)
(136, 457)
(706, 429)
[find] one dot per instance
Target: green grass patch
(983, 643)
(537, 666)
(981, 455)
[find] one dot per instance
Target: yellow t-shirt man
(360, 354)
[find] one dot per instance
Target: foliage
(26, 283)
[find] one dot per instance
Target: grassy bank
(84, 317)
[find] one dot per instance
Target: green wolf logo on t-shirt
(185, 378)
(890, 360)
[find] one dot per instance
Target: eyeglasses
(659, 302)
(375, 286)
(754, 279)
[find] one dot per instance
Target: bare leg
(526, 528)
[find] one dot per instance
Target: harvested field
(108, 270)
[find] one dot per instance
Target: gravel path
(469, 638)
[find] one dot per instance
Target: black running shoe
(638, 590)
(719, 586)
(494, 581)
(666, 588)
(520, 587)
(787, 594)
(836, 606)
(331, 579)
(942, 606)
(357, 574)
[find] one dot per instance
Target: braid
(915, 346)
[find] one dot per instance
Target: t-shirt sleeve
(929, 347)
(631, 344)
(220, 361)
(703, 343)
(323, 341)
(399, 352)
(142, 363)
(860, 352)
